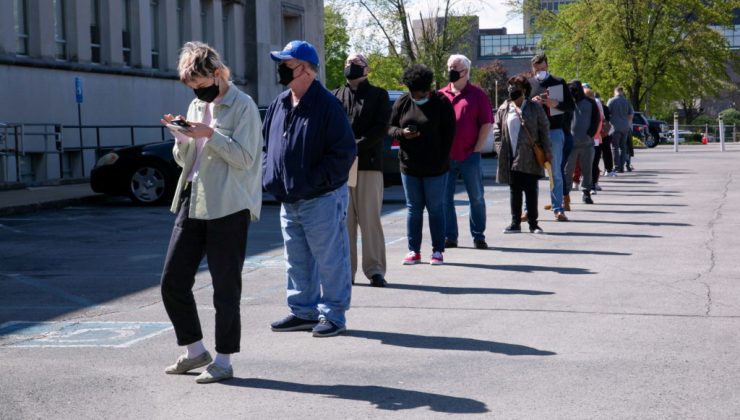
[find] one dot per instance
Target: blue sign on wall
(78, 90)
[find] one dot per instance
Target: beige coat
(536, 120)
(230, 173)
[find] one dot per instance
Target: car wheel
(149, 184)
(651, 141)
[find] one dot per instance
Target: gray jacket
(586, 118)
(538, 126)
(619, 111)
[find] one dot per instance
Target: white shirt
(514, 124)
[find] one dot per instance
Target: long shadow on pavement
(559, 251)
(447, 343)
(603, 235)
(614, 222)
(383, 398)
(524, 268)
(626, 211)
(643, 204)
(466, 290)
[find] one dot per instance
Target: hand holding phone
(412, 128)
(179, 125)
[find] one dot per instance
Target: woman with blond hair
(219, 146)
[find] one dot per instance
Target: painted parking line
(79, 334)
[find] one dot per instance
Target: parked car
(656, 129)
(145, 173)
(640, 127)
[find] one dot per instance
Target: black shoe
(377, 280)
(629, 168)
(293, 323)
(587, 198)
(480, 244)
(536, 229)
(512, 228)
(327, 328)
(450, 243)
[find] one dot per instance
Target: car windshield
(639, 119)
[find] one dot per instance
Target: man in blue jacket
(309, 149)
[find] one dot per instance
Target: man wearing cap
(309, 149)
(368, 110)
(473, 122)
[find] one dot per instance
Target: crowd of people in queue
(319, 153)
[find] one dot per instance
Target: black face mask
(207, 94)
(353, 72)
(454, 76)
(285, 74)
(514, 93)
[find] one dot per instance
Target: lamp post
(496, 81)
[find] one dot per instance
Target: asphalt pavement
(630, 310)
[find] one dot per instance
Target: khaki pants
(365, 203)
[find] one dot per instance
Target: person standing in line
(309, 150)
(473, 121)
(585, 125)
(368, 109)
(598, 139)
(424, 123)
(620, 113)
(520, 124)
(606, 140)
(218, 193)
(552, 92)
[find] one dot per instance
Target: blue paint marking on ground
(78, 334)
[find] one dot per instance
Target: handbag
(605, 128)
(539, 152)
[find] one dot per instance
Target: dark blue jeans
(472, 176)
(424, 192)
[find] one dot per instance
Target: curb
(54, 204)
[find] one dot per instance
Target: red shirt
(472, 110)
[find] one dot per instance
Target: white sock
(196, 349)
(223, 360)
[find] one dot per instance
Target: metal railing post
(17, 156)
(675, 131)
(721, 134)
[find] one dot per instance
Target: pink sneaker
(437, 259)
(412, 258)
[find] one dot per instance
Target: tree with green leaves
(492, 79)
(661, 50)
(336, 45)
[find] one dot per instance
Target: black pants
(224, 241)
(526, 183)
(606, 153)
(595, 171)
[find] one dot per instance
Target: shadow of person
(466, 290)
(383, 398)
(447, 343)
(524, 268)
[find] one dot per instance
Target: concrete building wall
(39, 86)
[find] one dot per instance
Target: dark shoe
(327, 328)
(587, 198)
(536, 229)
(630, 168)
(560, 216)
(293, 323)
(450, 243)
(512, 228)
(377, 280)
(480, 244)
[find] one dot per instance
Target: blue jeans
(472, 175)
(557, 138)
(429, 192)
(317, 256)
(567, 148)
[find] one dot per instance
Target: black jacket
(428, 154)
(567, 105)
(368, 111)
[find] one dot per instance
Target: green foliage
(385, 71)
(730, 116)
(336, 44)
(652, 48)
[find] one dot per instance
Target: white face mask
(541, 75)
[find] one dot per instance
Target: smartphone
(413, 128)
(179, 125)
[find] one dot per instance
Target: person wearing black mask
(585, 124)
(219, 192)
(521, 123)
(368, 110)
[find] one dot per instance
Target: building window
(95, 31)
(180, 22)
(292, 23)
(512, 45)
(126, 38)
(21, 26)
(60, 31)
(226, 25)
(155, 33)
(204, 27)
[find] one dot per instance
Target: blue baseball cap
(299, 50)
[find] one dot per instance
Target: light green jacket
(230, 173)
